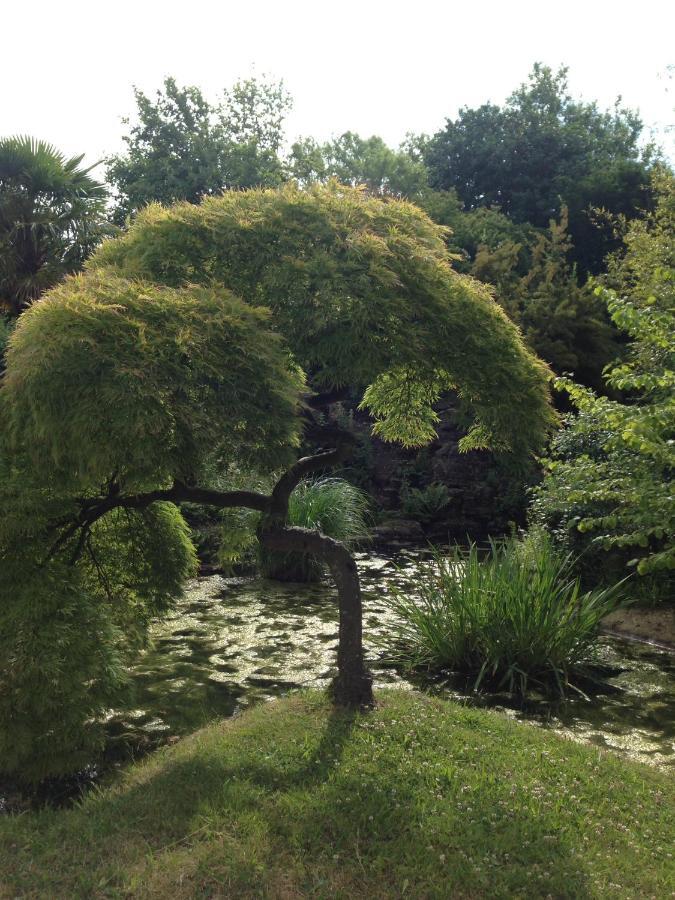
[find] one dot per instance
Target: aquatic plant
(513, 617)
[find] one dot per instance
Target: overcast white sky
(374, 66)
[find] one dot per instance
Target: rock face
(391, 533)
(436, 492)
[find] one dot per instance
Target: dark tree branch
(353, 685)
(103, 578)
(307, 466)
(94, 508)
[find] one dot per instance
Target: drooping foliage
(185, 348)
(364, 294)
(52, 215)
(138, 379)
(612, 468)
(69, 631)
(497, 175)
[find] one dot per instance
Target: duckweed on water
(234, 642)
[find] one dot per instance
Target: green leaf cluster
(611, 472)
(563, 320)
(543, 149)
(114, 375)
(356, 161)
(69, 631)
(183, 147)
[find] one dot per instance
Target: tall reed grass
(514, 617)
(331, 505)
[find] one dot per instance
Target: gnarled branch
(307, 465)
(94, 508)
(353, 685)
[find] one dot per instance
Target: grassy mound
(419, 798)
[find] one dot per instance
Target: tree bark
(353, 685)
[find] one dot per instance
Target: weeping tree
(202, 341)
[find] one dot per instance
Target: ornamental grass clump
(331, 505)
(513, 618)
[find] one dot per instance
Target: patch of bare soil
(649, 624)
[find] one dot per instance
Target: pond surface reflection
(234, 641)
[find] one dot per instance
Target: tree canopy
(363, 292)
(354, 160)
(563, 321)
(612, 469)
(189, 345)
(183, 147)
(541, 149)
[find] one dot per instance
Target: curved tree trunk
(353, 685)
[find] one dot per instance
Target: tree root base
(354, 693)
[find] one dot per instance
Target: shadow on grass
(311, 805)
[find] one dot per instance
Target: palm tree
(52, 214)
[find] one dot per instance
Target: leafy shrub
(513, 618)
(332, 505)
(611, 472)
(425, 504)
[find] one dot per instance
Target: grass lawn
(419, 798)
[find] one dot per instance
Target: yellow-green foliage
(116, 375)
(68, 630)
(182, 351)
(362, 290)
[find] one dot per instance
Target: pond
(235, 641)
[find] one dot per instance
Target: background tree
(183, 147)
(611, 474)
(356, 161)
(564, 322)
(540, 150)
(200, 341)
(52, 215)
